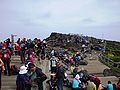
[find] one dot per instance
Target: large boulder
(108, 72)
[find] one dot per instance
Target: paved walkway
(94, 66)
(9, 82)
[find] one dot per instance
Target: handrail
(110, 63)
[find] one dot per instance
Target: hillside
(75, 41)
(60, 39)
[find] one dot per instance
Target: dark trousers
(7, 66)
(22, 57)
(0, 76)
(53, 69)
(60, 84)
(40, 86)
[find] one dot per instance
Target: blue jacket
(75, 83)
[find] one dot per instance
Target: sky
(38, 18)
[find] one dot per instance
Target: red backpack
(6, 54)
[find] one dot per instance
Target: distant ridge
(75, 40)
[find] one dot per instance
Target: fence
(114, 66)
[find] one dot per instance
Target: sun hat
(23, 70)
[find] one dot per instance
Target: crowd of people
(31, 77)
(82, 80)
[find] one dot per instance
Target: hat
(23, 70)
(77, 77)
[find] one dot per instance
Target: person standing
(109, 86)
(52, 64)
(90, 84)
(22, 52)
(118, 85)
(59, 76)
(23, 81)
(37, 77)
(2, 68)
(6, 55)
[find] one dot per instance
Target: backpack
(78, 58)
(6, 54)
(53, 62)
(14, 70)
(40, 75)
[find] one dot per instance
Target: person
(66, 81)
(6, 55)
(109, 86)
(52, 64)
(42, 52)
(118, 85)
(2, 68)
(23, 81)
(22, 51)
(60, 76)
(52, 82)
(100, 87)
(1, 45)
(90, 84)
(76, 82)
(52, 52)
(37, 77)
(75, 71)
(72, 67)
(115, 87)
(30, 54)
(97, 82)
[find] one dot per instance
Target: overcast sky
(38, 18)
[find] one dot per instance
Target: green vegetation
(114, 58)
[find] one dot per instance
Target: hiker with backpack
(29, 54)
(52, 64)
(6, 55)
(52, 82)
(60, 76)
(37, 77)
(42, 52)
(23, 81)
(22, 52)
(76, 83)
(77, 59)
